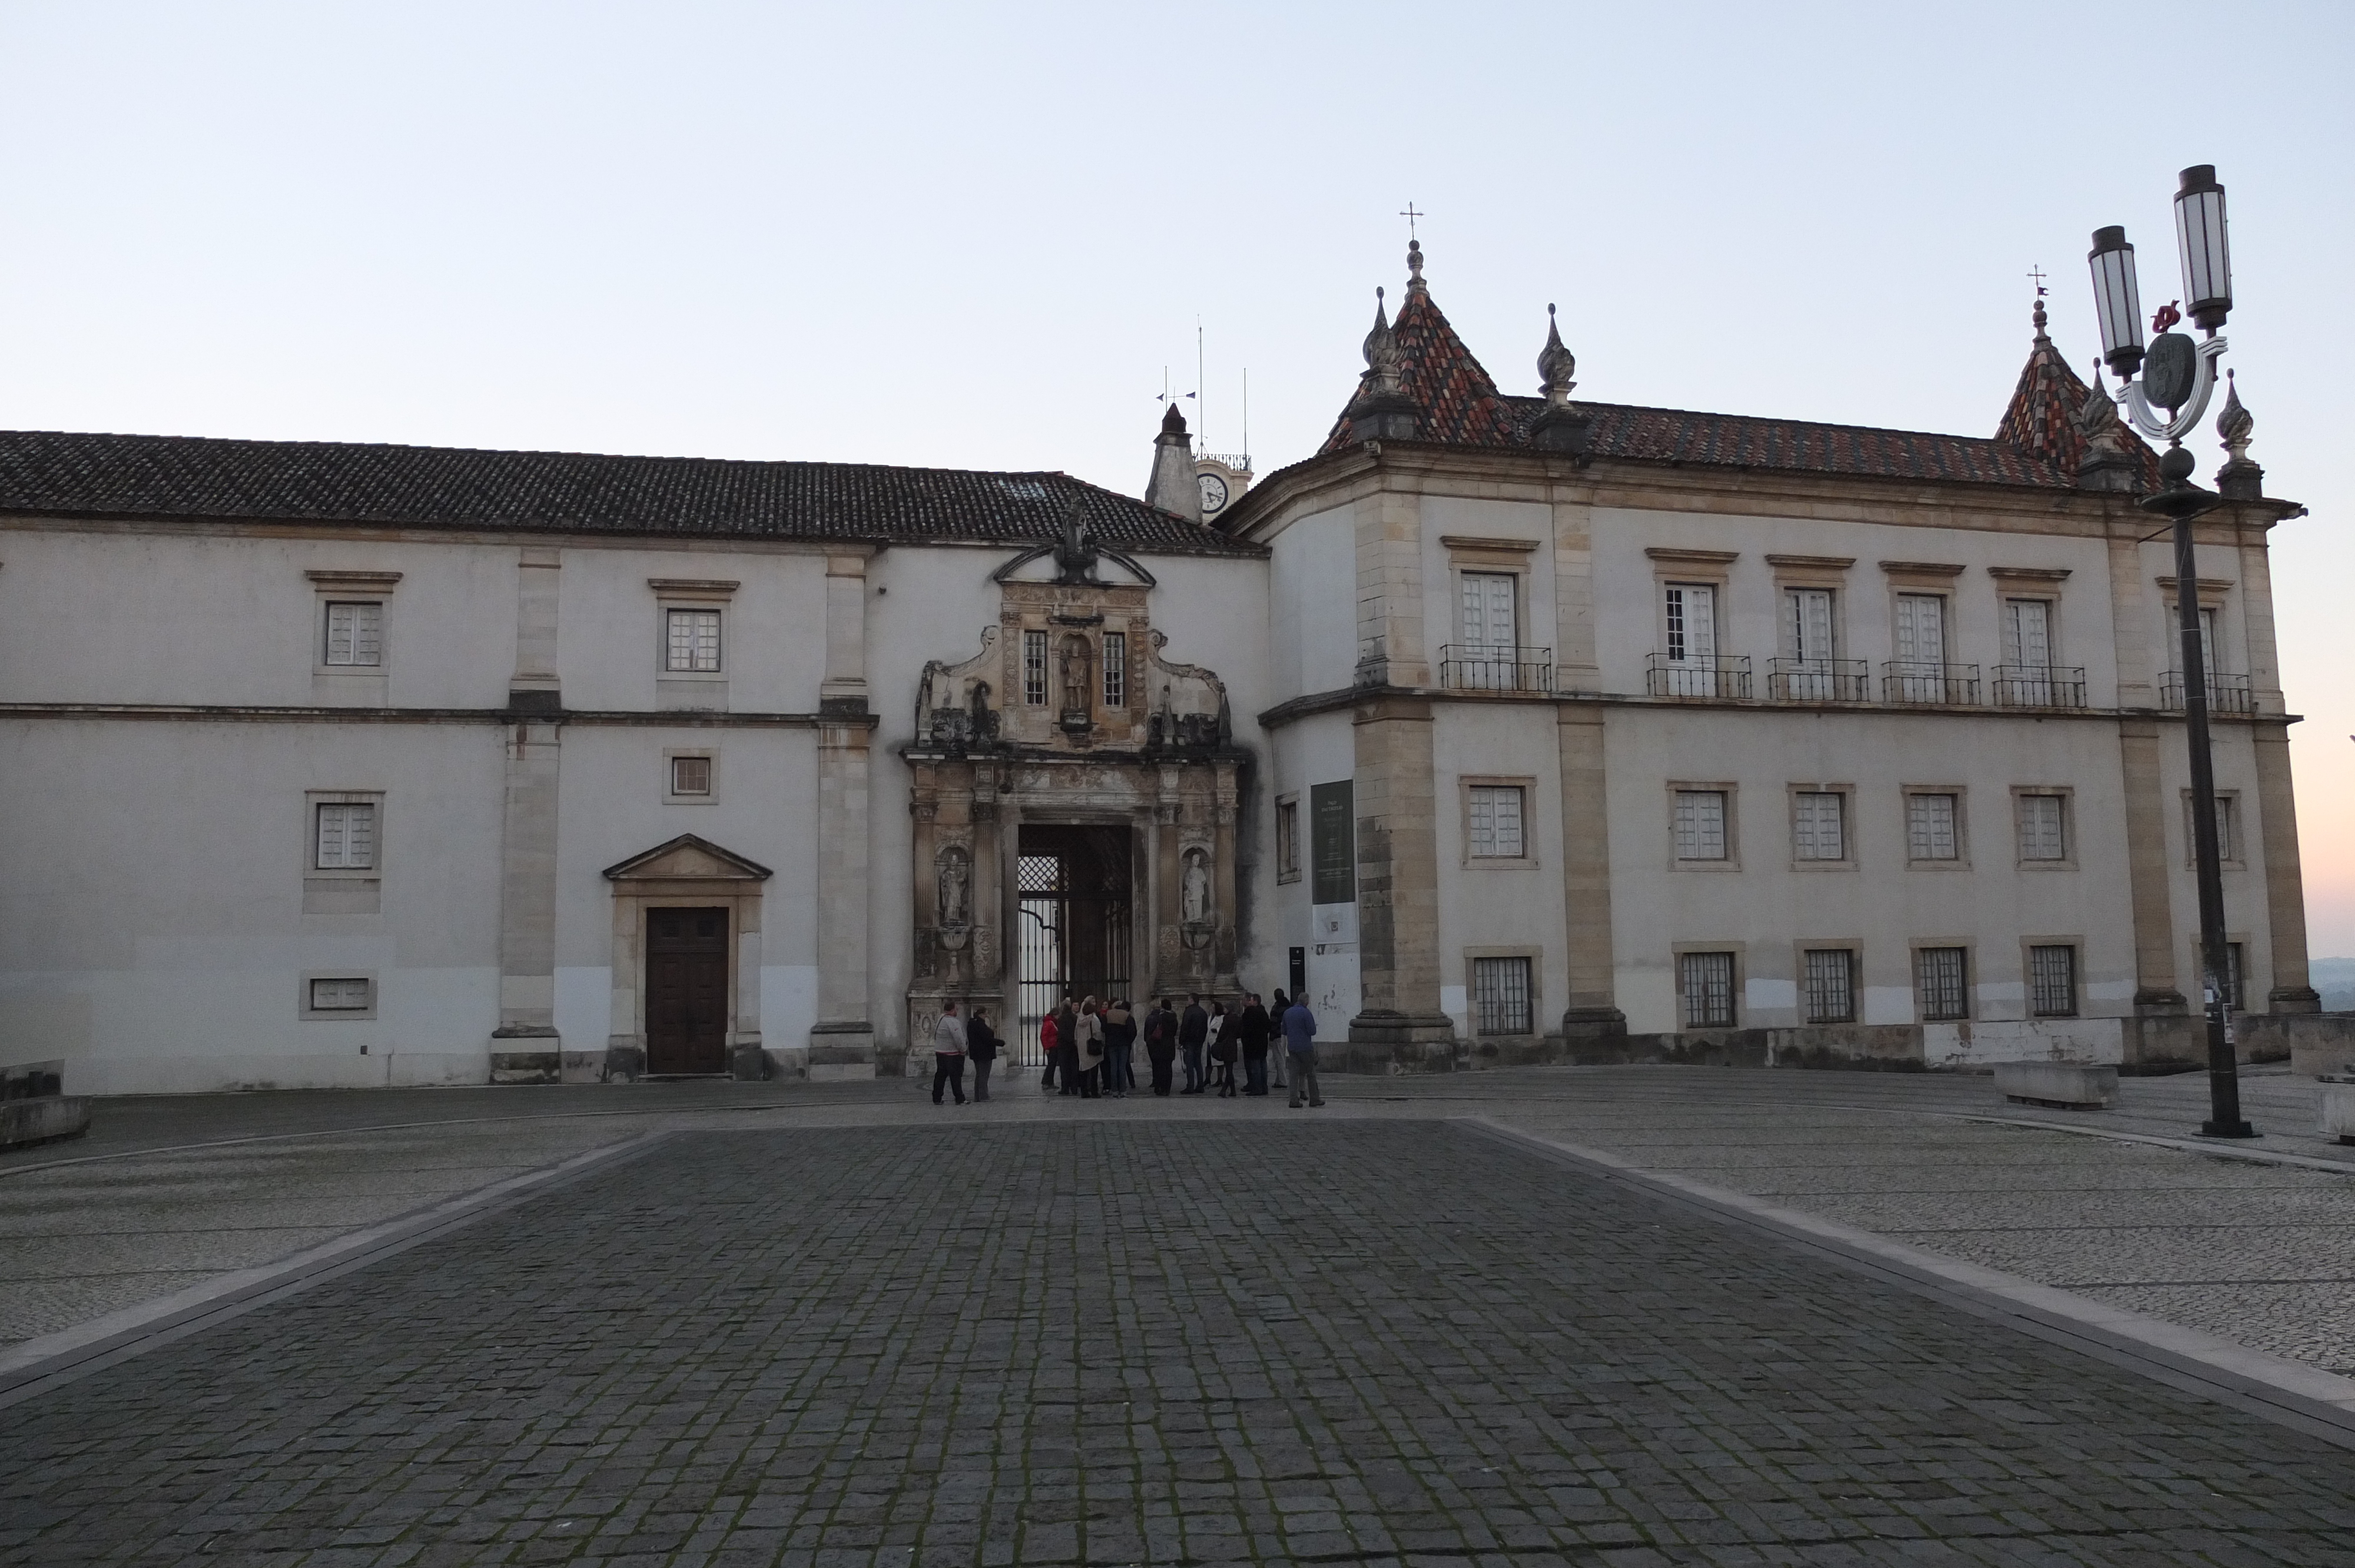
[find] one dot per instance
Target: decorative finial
(2036, 275)
(1556, 365)
(2240, 478)
(2106, 463)
(1414, 284)
(1382, 350)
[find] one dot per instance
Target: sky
(978, 236)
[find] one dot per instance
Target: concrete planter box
(2339, 1108)
(2064, 1085)
(26, 1122)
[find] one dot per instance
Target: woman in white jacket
(1091, 1050)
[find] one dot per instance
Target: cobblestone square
(1358, 1342)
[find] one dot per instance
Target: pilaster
(1592, 1012)
(843, 688)
(842, 1041)
(1397, 883)
(2148, 867)
(2139, 658)
(1391, 650)
(2292, 991)
(526, 1047)
(1576, 668)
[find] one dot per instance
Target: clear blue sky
(974, 235)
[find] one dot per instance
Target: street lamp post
(2178, 377)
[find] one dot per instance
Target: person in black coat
(1252, 1030)
(981, 1049)
(1193, 1030)
(1161, 1043)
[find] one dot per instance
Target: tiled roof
(71, 475)
(2041, 417)
(1460, 405)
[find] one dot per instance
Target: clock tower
(1222, 479)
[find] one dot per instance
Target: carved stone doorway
(1077, 925)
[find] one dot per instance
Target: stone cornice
(1350, 698)
(272, 712)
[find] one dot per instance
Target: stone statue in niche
(1075, 673)
(956, 887)
(1194, 898)
(985, 722)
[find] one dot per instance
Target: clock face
(1214, 493)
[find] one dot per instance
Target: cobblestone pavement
(1095, 1342)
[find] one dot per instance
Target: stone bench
(2062, 1085)
(34, 1108)
(2339, 1106)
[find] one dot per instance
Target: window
(1700, 824)
(1922, 630)
(355, 633)
(1692, 623)
(1115, 670)
(1930, 828)
(340, 995)
(2053, 981)
(1831, 988)
(1034, 668)
(2233, 972)
(2227, 830)
(2043, 827)
(1707, 981)
(346, 836)
(1818, 826)
(2028, 633)
(1287, 840)
(1941, 983)
(693, 643)
(1487, 603)
(1807, 623)
(1500, 996)
(1497, 821)
(690, 776)
(2208, 638)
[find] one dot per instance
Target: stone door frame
(686, 873)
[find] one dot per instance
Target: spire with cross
(2036, 275)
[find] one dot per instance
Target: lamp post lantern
(2177, 378)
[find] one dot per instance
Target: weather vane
(2036, 273)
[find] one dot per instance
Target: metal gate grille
(1045, 966)
(1073, 935)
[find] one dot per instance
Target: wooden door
(686, 990)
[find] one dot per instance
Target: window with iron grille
(692, 646)
(690, 776)
(1941, 983)
(2043, 827)
(1497, 821)
(1930, 828)
(1819, 828)
(1500, 996)
(1115, 670)
(1707, 981)
(2053, 981)
(345, 836)
(339, 996)
(1287, 840)
(355, 633)
(1700, 824)
(1831, 985)
(1034, 668)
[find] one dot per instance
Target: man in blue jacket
(1300, 1043)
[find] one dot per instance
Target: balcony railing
(2039, 686)
(1720, 678)
(1818, 681)
(1495, 667)
(1927, 681)
(2226, 693)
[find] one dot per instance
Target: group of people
(1090, 1048)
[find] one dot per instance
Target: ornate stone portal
(1068, 721)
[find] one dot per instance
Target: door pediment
(688, 858)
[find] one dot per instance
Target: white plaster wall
(119, 615)
(1500, 904)
(1320, 749)
(1772, 907)
(610, 627)
(151, 920)
(1312, 611)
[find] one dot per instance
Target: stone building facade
(1505, 728)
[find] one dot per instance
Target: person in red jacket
(1047, 1048)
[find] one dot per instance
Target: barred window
(355, 633)
(2043, 827)
(1500, 996)
(693, 643)
(1034, 668)
(2053, 981)
(1831, 988)
(1707, 981)
(1930, 828)
(1700, 824)
(339, 996)
(1115, 670)
(345, 836)
(1496, 821)
(1818, 826)
(1941, 983)
(690, 776)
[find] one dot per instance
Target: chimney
(1172, 487)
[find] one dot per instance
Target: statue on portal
(1075, 673)
(1194, 899)
(956, 887)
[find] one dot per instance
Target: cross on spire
(1411, 214)
(2037, 275)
